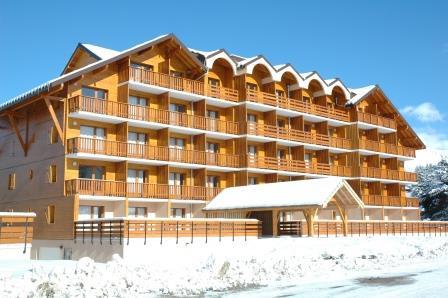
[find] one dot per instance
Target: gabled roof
(293, 194)
(120, 55)
(99, 52)
(360, 94)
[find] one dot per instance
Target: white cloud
(425, 112)
(437, 147)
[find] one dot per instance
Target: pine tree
(432, 190)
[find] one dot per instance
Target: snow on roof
(360, 93)
(100, 52)
(330, 81)
(313, 192)
(277, 67)
(203, 53)
(68, 76)
(17, 214)
(306, 74)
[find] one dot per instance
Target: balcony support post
(55, 119)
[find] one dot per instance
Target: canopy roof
(288, 195)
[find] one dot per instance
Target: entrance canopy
(302, 194)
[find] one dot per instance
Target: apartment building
(158, 130)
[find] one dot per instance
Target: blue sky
(400, 45)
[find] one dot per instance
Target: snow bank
(196, 269)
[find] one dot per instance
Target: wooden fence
(16, 228)
(366, 228)
(122, 230)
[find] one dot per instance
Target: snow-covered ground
(238, 268)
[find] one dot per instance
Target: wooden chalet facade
(158, 130)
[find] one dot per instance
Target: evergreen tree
(432, 190)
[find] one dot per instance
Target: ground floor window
(90, 212)
(137, 212)
(177, 212)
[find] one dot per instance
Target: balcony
(386, 148)
(287, 165)
(388, 174)
(376, 120)
(143, 113)
(110, 188)
(379, 200)
(296, 105)
(147, 152)
(344, 171)
(181, 84)
(412, 202)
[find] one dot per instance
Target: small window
(50, 214)
(94, 93)
(251, 86)
(176, 74)
(12, 181)
(213, 82)
(30, 174)
(178, 212)
(52, 174)
(142, 66)
(174, 107)
(279, 93)
(251, 118)
(53, 135)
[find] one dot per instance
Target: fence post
(83, 224)
(327, 229)
(177, 232)
(110, 232)
(129, 223)
(26, 233)
(245, 231)
(192, 227)
(121, 242)
(100, 227)
(206, 232)
(91, 232)
(161, 232)
(220, 231)
(233, 231)
(74, 230)
(145, 231)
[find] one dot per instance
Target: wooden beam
(13, 124)
(55, 119)
(310, 215)
(343, 214)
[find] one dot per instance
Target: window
(212, 114)
(12, 181)
(281, 154)
(253, 181)
(176, 179)
(213, 82)
(92, 132)
(88, 172)
(177, 143)
(279, 93)
(30, 174)
(212, 147)
(177, 212)
(251, 86)
(252, 150)
(176, 74)
(306, 99)
(53, 135)
(52, 174)
(281, 123)
(90, 212)
(50, 214)
(137, 138)
(212, 181)
(137, 212)
(174, 107)
(94, 93)
(137, 101)
(307, 127)
(251, 118)
(307, 160)
(142, 66)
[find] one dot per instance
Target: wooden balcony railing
(412, 202)
(386, 148)
(296, 105)
(326, 228)
(16, 227)
(144, 113)
(376, 120)
(344, 171)
(112, 230)
(144, 151)
(289, 165)
(379, 200)
(138, 190)
(181, 84)
(388, 174)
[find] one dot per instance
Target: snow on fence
(122, 229)
(366, 228)
(16, 227)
